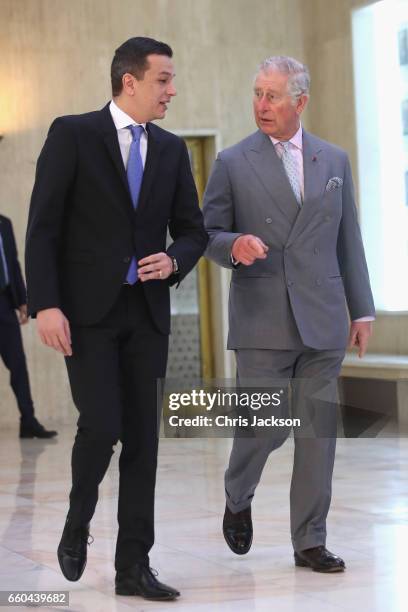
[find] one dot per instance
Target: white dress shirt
(122, 121)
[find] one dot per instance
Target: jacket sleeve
(55, 173)
(351, 257)
(19, 285)
(186, 225)
(218, 211)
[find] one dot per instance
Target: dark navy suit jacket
(83, 231)
(17, 286)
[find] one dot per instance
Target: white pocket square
(334, 183)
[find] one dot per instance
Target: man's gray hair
(298, 73)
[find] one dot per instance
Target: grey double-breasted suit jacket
(315, 267)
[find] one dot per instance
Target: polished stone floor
(368, 527)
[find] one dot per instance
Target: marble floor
(368, 527)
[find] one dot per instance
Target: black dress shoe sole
(30, 436)
(321, 570)
(240, 551)
(134, 593)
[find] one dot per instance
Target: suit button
(290, 283)
(126, 259)
(268, 220)
(315, 250)
(327, 218)
(318, 282)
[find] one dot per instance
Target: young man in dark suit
(13, 298)
(108, 186)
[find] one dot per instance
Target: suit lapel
(314, 173)
(266, 164)
(110, 137)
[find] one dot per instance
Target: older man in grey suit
(279, 208)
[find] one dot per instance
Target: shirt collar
(122, 119)
(296, 140)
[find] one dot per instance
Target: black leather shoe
(319, 559)
(35, 430)
(141, 580)
(72, 551)
(237, 530)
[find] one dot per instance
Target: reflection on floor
(368, 527)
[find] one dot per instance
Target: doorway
(191, 349)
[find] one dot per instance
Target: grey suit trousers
(310, 494)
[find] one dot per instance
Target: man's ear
(129, 84)
(301, 103)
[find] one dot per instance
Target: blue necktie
(4, 279)
(134, 173)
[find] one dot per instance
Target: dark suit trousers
(12, 354)
(113, 376)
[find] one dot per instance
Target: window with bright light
(380, 48)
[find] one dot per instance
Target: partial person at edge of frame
(13, 297)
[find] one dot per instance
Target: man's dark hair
(131, 57)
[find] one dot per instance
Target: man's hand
(22, 314)
(158, 266)
(360, 331)
(54, 331)
(247, 248)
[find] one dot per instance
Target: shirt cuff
(362, 319)
(234, 261)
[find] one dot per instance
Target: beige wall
(328, 51)
(55, 60)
